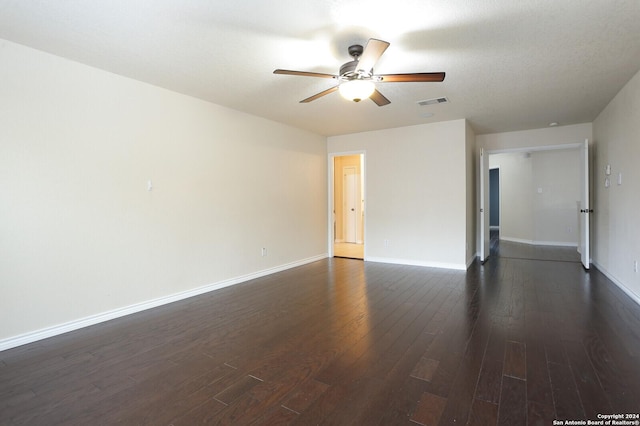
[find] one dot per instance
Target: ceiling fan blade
(408, 78)
(372, 52)
(379, 98)
(319, 95)
(305, 73)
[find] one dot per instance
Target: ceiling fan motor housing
(349, 70)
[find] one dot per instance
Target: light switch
(607, 170)
(539, 190)
(607, 183)
(620, 178)
(149, 185)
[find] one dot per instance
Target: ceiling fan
(356, 78)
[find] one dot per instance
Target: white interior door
(585, 209)
(484, 205)
(351, 197)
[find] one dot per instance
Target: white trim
(411, 262)
(625, 289)
(516, 240)
(556, 243)
(494, 227)
(541, 243)
(45, 333)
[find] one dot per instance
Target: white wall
(616, 209)
(81, 236)
(416, 184)
(548, 217)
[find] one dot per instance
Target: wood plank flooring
(344, 342)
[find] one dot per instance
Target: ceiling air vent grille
(434, 101)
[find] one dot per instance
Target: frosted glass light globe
(356, 90)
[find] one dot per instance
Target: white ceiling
(510, 65)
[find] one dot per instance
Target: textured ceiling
(510, 65)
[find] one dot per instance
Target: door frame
(584, 223)
(330, 189)
(483, 208)
(483, 184)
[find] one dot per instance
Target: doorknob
(353, 210)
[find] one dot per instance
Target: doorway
(552, 208)
(494, 199)
(347, 206)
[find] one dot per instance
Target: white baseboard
(540, 243)
(411, 262)
(516, 240)
(45, 333)
(625, 289)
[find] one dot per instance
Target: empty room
(260, 213)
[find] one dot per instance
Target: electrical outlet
(264, 251)
(386, 243)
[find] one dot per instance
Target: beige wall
(549, 137)
(416, 185)
(471, 166)
(516, 186)
(616, 230)
(81, 237)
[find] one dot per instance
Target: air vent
(433, 101)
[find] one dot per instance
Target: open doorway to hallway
(348, 206)
(534, 202)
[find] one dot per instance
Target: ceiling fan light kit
(356, 90)
(356, 80)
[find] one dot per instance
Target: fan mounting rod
(350, 70)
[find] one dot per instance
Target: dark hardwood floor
(502, 248)
(342, 342)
